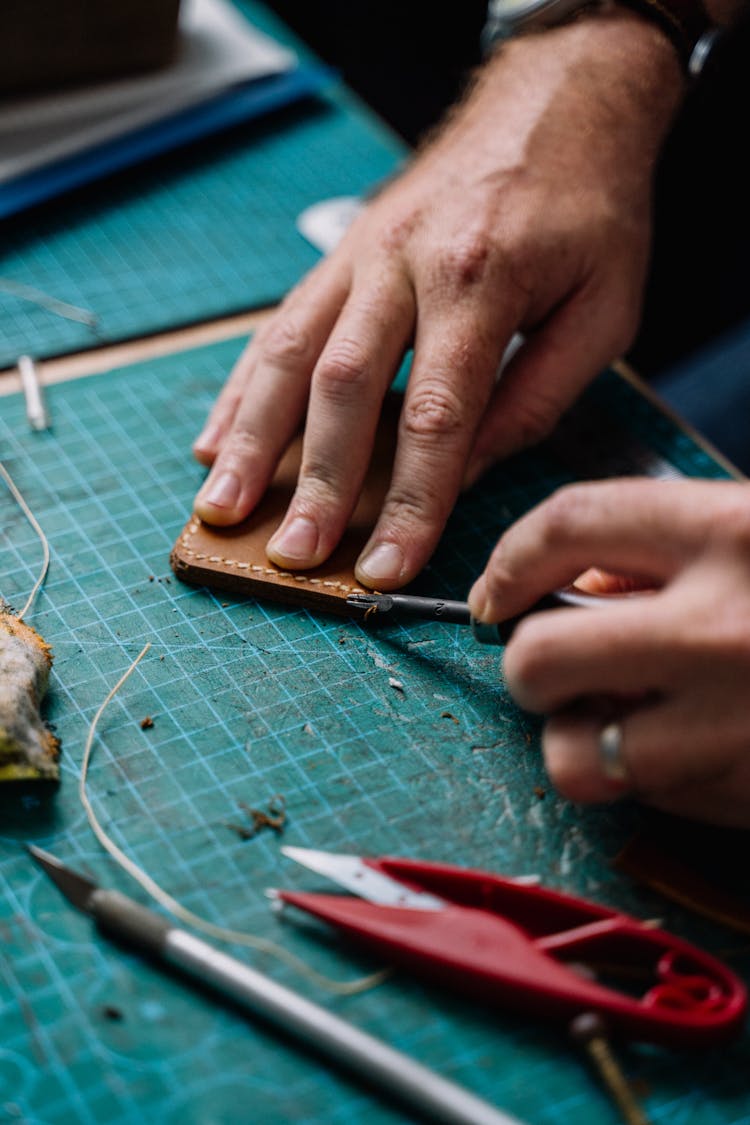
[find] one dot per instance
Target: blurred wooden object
(53, 42)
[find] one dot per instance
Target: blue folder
(240, 103)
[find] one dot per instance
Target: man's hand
(529, 212)
(671, 666)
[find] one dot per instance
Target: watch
(685, 22)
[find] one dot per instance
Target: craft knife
(383, 1067)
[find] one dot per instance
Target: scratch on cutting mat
(48, 302)
(27, 1014)
(478, 748)
(28, 749)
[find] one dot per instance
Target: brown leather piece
(663, 854)
(234, 558)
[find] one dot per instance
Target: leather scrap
(665, 863)
(29, 750)
(234, 558)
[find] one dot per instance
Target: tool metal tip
(369, 603)
(297, 854)
(312, 858)
(76, 888)
(45, 859)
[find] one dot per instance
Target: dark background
(410, 61)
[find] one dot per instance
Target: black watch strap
(685, 22)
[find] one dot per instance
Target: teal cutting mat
(250, 700)
(195, 234)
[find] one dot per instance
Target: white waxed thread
(16, 494)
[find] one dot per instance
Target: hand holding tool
(397, 1074)
(533, 948)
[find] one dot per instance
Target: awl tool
(458, 613)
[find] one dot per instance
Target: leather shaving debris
(275, 818)
(28, 749)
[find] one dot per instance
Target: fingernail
(297, 542)
(478, 600)
(224, 492)
(383, 564)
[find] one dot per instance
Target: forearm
(607, 64)
(645, 43)
(593, 98)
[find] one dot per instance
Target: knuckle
(499, 574)
(243, 446)
(731, 521)
(343, 368)
(565, 510)
(319, 486)
(396, 231)
(535, 417)
(286, 342)
(433, 410)
(462, 263)
(409, 508)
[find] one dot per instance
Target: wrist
(598, 94)
(610, 53)
(686, 24)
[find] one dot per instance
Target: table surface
(247, 701)
(251, 700)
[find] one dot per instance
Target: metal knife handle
(396, 1074)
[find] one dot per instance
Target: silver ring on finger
(610, 752)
